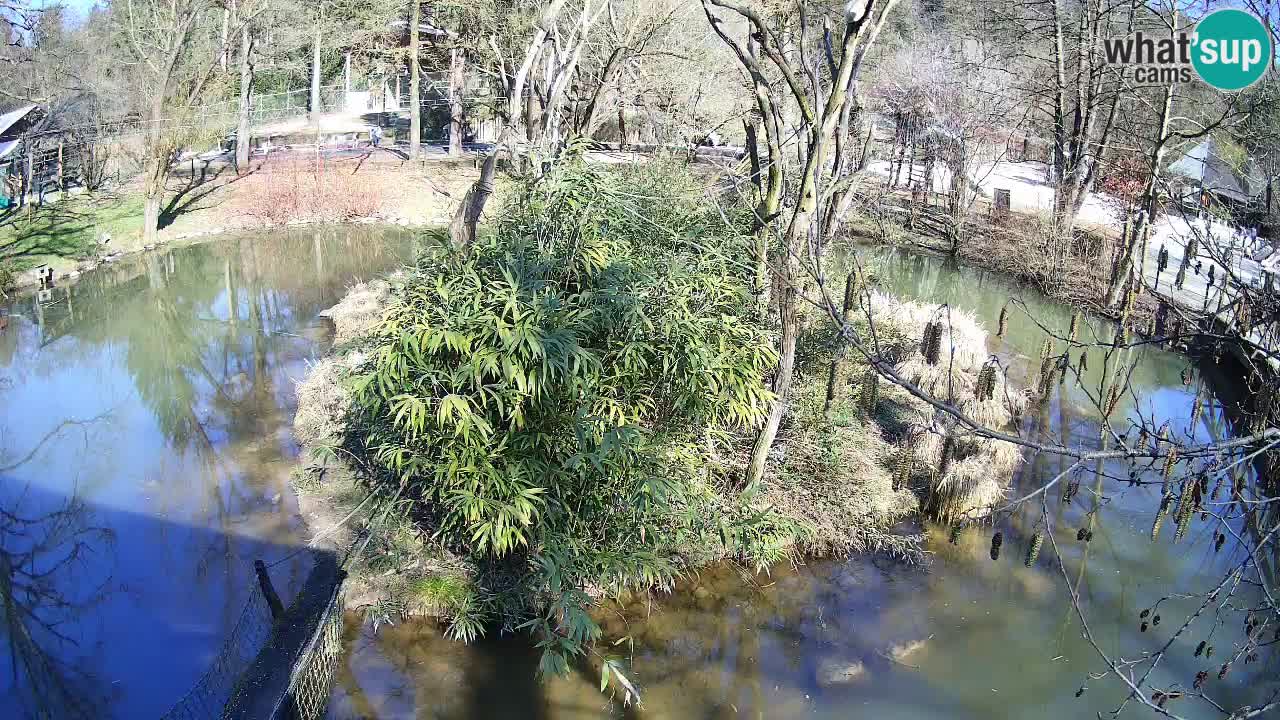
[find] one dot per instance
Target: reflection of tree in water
(55, 567)
(204, 345)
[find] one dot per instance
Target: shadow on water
(145, 450)
(73, 577)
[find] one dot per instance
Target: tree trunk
(835, 376)
(157, 168)
(462, 231)
(590, 117)
(225, 49)
(532, 114)
(243, 138)
(622, 122)
(154, 194)
(415, 71)
(753, 153)
(781, 386)
(315, 76)
(1120, 281)
(456, 80)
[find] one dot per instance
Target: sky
(78, 8)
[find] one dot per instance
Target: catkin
(927, 338)
(986, 386)
(903, 466)
(1074, 332)
(996, 541)
(933, 343)
(1033, 550)
(1184, 520)
(1160, 515)
(1003, 325)
(1113, 399)
(948, 449)
(1169, 461)
(1046, 375)
(870, 391)
(1185, 511)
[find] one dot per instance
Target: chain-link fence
(291, 677)
(247, 638)
(90, 156)
(275, 668)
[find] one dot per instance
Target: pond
(960, 637)
(145, 450)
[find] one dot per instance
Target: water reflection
(152, 401)
(964, 637)
(55, 568)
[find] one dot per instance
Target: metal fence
(291, 676)
(275, 668)
(54, 161)
(247, 638)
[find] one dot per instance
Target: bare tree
(818, 77)
(162, 35)
(552, 53)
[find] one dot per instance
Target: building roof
(12, 117)
(1205, 165)
(7, 147)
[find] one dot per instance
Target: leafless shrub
(311, 190)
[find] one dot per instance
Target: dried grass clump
(977, 470)
(324, 400)
(359, 311)
(837, 481)
(964, 341)
(322, 404)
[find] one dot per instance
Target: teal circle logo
(1231, 49)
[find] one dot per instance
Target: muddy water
(961, 637)
(145, 449)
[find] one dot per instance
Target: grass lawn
(68, 229)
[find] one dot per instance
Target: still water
(960, 637)
(145, 449)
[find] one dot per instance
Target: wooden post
(268, 590)
(27, 178)
(1003, 201)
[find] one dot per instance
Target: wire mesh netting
(312, 678)
(290, 678)
(275, 669)
(247, 638)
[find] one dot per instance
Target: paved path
(1032, 193)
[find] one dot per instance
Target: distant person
(375, 135)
